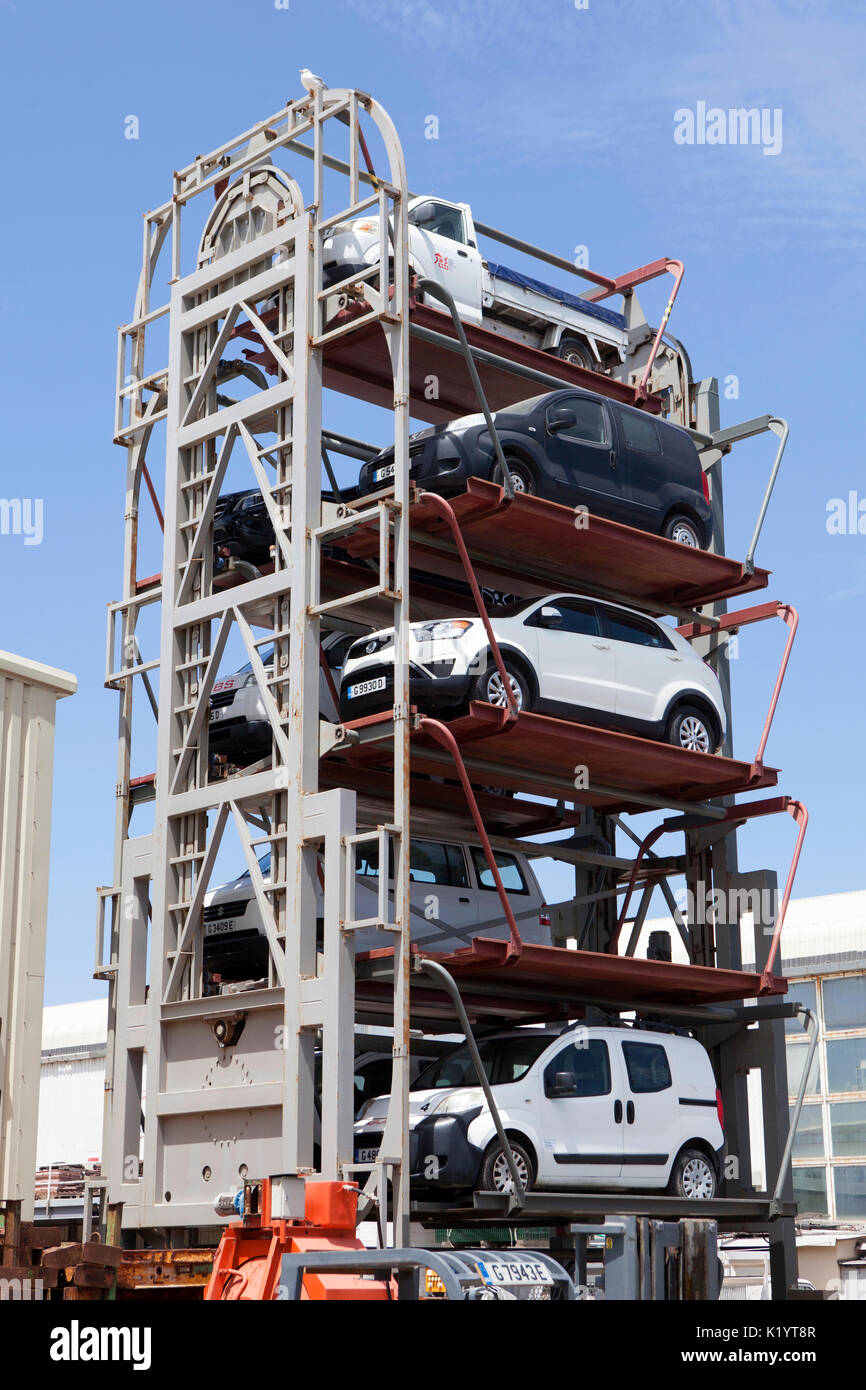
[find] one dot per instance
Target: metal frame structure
(230, 1081)
(262, 243)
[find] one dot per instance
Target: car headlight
(368, 225)
(471, 1098)
(444, 631)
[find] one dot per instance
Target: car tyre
(489, 689)
(522, 476)
(684, 531)
(693, 1176)
(495, 1175)
(574, 351)
(690, 728)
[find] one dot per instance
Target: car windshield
(266, 655)
(264, 865)
(503, 1059)
(510, 607)
(524, 407)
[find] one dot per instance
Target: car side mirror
(561, 420)
(549, 617)
(563, 1085)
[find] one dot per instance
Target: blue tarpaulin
(574, 301)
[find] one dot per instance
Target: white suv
(453, 898)
(566, 655)
(592, 1107)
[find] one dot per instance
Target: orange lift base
(530, 546)
(552, 982)
(248, 1260)
(537, 755)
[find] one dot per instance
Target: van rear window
(639, 432)
(509, 871)
(647, 1066)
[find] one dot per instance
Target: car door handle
(617, 1112)
(613, 458)
(629, 1112)
(464, 900)
(672, 658)
(463, 253)
(602, 646)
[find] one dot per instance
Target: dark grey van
(573, 447)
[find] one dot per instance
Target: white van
(453, 898)
(600, 1107)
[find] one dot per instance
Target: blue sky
(555, 123)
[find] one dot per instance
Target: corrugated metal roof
(74, 1025)
(818, 929)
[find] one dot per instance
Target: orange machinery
(248, 1258)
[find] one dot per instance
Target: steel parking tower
(208, 1088)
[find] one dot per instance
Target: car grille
(368, 645)
(222, 697)
(217, 912)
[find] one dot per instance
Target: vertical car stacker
(208, 1091)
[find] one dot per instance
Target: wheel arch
(520, 1137)
(684, 509)
(521, 660)
(701, 701)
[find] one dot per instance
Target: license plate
(366, 687)
(509, 1273)
(381, 474)
(366, 1155)
(218, 928)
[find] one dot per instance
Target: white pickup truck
(443, 246)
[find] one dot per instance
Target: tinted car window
(575, 616)
(587, 1063)
(503, 1060)
(647, 1066)
(639, 432)
(590, 427)
(429, 862)
(509, 871)
(624, 627)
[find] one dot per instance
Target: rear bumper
(241, 740)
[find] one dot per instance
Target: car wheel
(684, 531)
(693, 1176)
(490, 690)
(495, 1173)
(690, 728)
(522, 476)
(573, 350)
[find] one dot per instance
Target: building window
(796, 1061)
(846, 1065)
(810, 1191)
(850, 1188)
(809, 1139)
(805, 992)
(845, 1003)
(848, 1128)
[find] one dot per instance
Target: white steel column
(29, 693)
